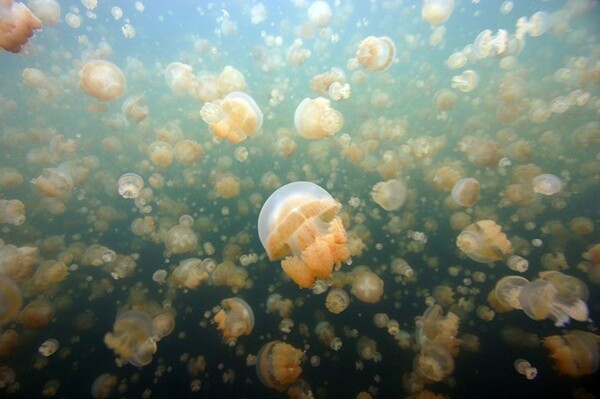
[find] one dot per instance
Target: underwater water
(447, 226)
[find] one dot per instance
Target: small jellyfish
(234, 319)
(130, 185)
(465, 82)
(506, 293)
(366, 285)
(575, 354)
(466, 191)
(390, 195)
(234, 118)
(48, 347)
(276, 304)
(180, 239)
(278, 365)
(337, 300)
(547, 184)
(523, 367)
(434, 362)
(12, 212)
(104, 386)
(131, 339)
(436, 12)
(517, 263)
(102, 79)
(179, 77)
(10, 300)
(484, 242)
(298, 222)
(376, 54)
(314, 118)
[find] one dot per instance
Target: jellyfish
(507, 290)
(179, 77)
(337, 300)
(227, 186)
(390, 195)
(540, 300)
(575, 354)
(54, 182)
(234, 118)
(10, 300)
(366, 349)
(102, 80)
(130, 185)
(135, 108)
(547, 184)
(314, 118)
(48, 347)
(436, 12)
(484, 242)
(36, 314)
(517, 263)
(319, 14)
(187, 152)
(234, 319)
(366, 285)
(180, 239)
(278, 365)
(525, 368)
(465, 82)
(376, 54)
(298, 222)
(434, 362)
(230, 80)
(104, 386)
(131, 339)
(163, 324)
(466, 191)
(12, 212)
(48, 11)
(190, 273)
(277, 304)
(17, 24)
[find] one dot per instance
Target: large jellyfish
(575, 353)
(484, 242)
(278, 364)
(235, 318)
(298, 222)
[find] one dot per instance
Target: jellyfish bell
(507, 291)
(130, 185)
(48, 347)
(466, 191)
(17, 24)
(436, 12)
(48, 11)
(434, 362)
(10, 300)
(179, 77)
(337, 300)
(278, 365)
(390, 195)
(234, 118)
(547, 184)
(315, 118)
(102, 80)
(366, 285)
(319, 14)
(131, 339)
(484, 242)
(575, 354)
(298, 222)
(234, 319)
(376, 54)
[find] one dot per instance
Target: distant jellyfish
(390, 195)
(436, 12)
(376, 54)
(234, 118)
(517, 263)
(525, 368)
(46, 10)
(54, 182)
(315, 118)
(484, 242)
(12, 212)
(131, 339)
(130, 185)
(180, 239)
(102, 79)
(234, 319)
(36, 314)
(466, 191)
(319, 14)
(10, 300)
(298, 222)
(337, 300)
(163, 325)
(547, 184)
(230, 80)
(48, 347)
(434, 362)
(465, 82)
(277, 304)
(366, 285)
(187, 152)
(278, 365)
(179, 77)
(104, 386)
(135, 108)
(575, 354)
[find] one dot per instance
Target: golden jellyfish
(390, 194)
(234, 319)
(131, 339)
(230, 80)
(581, 225)
(10, 178)
(135, 108)
(10, 300)
(36, 314)
(445, 100)
(525, 368)
(161, 153)
(366, 285)
(46, 10)
(179, 77)
(278, 365)
(228, 186)
(337, 300)
(130, 185)
(234, 118)
(505, 295)
(102, 80)
(104, 386)
(434, 362)
(466, 191)
(436, 12)
(17, 24)
(298, 222)
(517, 263)
(48, 347)
(187, 152)
(575, 354)
(366, 349)
(12, 212)
(181, 239)
(376, 54)
(319, 14)
(54, 182)
(484, 242)
(547, 184)
(466, 81)
(277, 304)
(540, 300)
(190, 273)
(315, 118)
(163, 324)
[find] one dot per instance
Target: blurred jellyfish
(575, 354)
(465, 82)
(314, 118)
(434, 362)
(278, 365)
(366, 349)
(517, 263)
(46, 10)
(484, 242)
(131, 339)
(10, 300)
(277, 304)
(547, 184)
(298, 222)
(376, 54)
(390, 195)
(540, 300)
(337, 300)
(466, 191)
(54, 182)
(130, 185)
(12, 212)
(366, 285)
(17, 25)
(523, 367)
(104, 386)
(319, 14)
(234, 319)
(339, 91)
(234, 118)
(48, 347)
(102, 79)
(135, 108)
(436, 12)
(179, 77)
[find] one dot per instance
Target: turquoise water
(534, 109)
